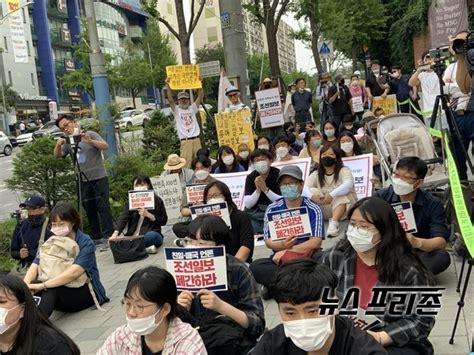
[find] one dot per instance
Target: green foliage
(6, 232)
(254, 65)
(210, 85)
(36, 170)
(291, 78)
(11, 97)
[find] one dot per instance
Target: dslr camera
(73, 140)
(466, 47)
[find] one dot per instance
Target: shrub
(6, 231)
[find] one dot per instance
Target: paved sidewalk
(89, 328)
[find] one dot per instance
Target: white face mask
(264, 146)
(360, 239)
(261, 166)
(228, 160)
(282, 152)
(140, 188)
(309, 334)
(144, 326)
(3, 316)
(244, 154)
(329, 132)
(401, 187)
(201, 174)
(347, 147)
(216, 200)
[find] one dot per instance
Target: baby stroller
(404, 135)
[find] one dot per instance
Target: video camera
(19, 215)
(73, 140)
(466, 47)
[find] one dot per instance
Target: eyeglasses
(362, 230)
(406, 178)
(291, 184)
(232, 95)
(126, 304)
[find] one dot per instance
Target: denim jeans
(153, 238)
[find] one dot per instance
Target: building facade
(286, 48)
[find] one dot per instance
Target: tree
(183, 35)
(11, 97)
(259, 68)
(210, 85)
(310, 80)
(36, 170)
(269, 13)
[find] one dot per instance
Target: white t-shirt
(430, 89)
(452, 87)
(239, 106)
(186, 123)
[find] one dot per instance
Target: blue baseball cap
(34, 201)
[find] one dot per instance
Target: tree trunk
(271, 32)
(133, 99)
(354, 58)
(314, 44)
(183, 32)
(185, 52)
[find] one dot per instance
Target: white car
(24, 138)
(130, 118)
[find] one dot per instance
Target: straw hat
(174, 162)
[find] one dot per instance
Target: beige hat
(267, 80)
(174, 162)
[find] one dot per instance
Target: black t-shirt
(340, 106)
(348, 340)
(146, 350)
(374, 86)
(242, 233)
(48, 342)
(271, 182)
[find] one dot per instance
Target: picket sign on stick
(184, 77)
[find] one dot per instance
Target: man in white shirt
(233, 94)
(187, 125)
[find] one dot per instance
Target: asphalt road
(9, 200)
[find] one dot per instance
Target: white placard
(269, 108)
(216, 209)
(357, 104)
(406, 217)
(289, 223)
(141, 199)
(236, 184)
(361, 167)
(195, 194)
(169, 189)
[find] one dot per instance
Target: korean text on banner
(357, 104)
(183, 77)
(17, 30)
(216, 209)
(234, 128)
(303, 163)
(169, 189)
(389, 104)
(404, 211)
(269, 108)
(361, 167)
(236, 184)
(289, 223)
(141, 199)
(195, 269)
(195, 194)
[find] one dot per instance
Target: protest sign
(217, 209)
(141, 199)
(269, 108)
(236, 184)
(404, 211)
(169, 189)
(357, 104)
(195, 194)
(361, 167)
(183, 77)
(303, 163)
(200, 268)
(389, 104)
(288, 223)
(234, 128)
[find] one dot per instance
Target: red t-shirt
(365, 279)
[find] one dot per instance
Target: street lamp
(2, 69)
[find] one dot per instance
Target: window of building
(212, 34)
(10, 81)
(210, 12)
(32, 79)
(5, 44)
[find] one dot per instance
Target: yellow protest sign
(389, 104)
(184, 77)
(234, 128)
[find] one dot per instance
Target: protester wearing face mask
(322, 91)
(282, 149)
(298, 288)
(290, 180)
(399, 86)
(27, 233)
(332, 187)
(23, 328)
(240, 303)
(340, 100)
(357, 91)
(55, 294)
(330, 133)
(377, 253)
(153, 219)
(244, 155)
(379, 113)
(227, 161)
(374, 85)
(348, 144)
(348, 125)
(313, 142)
(261, 187)
(264, 142)
(432, 234)
(153, 325)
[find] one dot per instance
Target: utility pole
(235, 52)
(100, 82)
(152, 77)
(4, 104)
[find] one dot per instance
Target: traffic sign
(325, 48)
(210, 69)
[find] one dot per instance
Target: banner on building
(236, 184)
(184, 77)
(289, 223)
(269, 108)
(389, 104)
(141, 199)
(234, 128)
(195, 269)
(17, 30)
(361, 167)
(169, 189)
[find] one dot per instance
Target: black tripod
(80, 177)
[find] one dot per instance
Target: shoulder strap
(94, 297)
(139, 226)
(43, 231)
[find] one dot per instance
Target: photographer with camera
(28, 232)
(86, 151)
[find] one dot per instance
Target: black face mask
(328, 161)
(36, 220)
(342, 82)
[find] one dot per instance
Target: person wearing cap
(301, 101)
(176, 165)
(27, 234)
(187, 125)
(290, 180)
(357, 90)
(86, 149)
(233, 94)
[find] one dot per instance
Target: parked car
(49, 129)
(13, 141)
(5, 145)
(24, 138)
(130, 118)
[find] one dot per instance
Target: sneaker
(179, 242)
(333, 229)
(265, 293)
(152, 249)
(104, 246)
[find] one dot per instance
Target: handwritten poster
(184, 77)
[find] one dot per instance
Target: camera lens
(458, 46)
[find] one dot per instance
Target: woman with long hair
(330, 132)
(378, 253)
(153, 327)
(348, 144)
(264, 142)
(312, 140)
(227, 161)
(332, 187)
(23, 328)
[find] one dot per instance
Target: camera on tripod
(438, 54)
(73, 140)
(466, 47)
